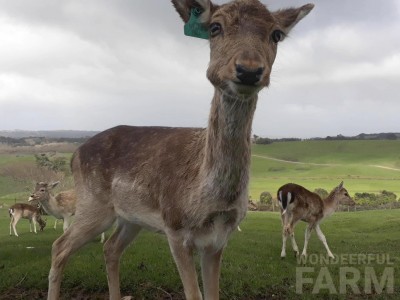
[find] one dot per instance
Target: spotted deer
(61, 206)
(298, 203)
(187, 183)
(20, 211)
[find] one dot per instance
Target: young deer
(25, 211)
(190, 184)
(62, 206)
(298, 203)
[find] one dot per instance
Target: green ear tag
(194, 27)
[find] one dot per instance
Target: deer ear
(339, 187)
(185, 7)
(53, 184)
(288, 18)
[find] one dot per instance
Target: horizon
(252, 135)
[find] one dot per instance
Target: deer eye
(215, 29)
(346, 194)
(277, 36)
(42, 190)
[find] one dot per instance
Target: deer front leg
(322, 238)
(34, 225)
(183, 256)
(210, 271)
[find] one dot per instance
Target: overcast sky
(94, 64)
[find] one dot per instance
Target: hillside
(364, 166)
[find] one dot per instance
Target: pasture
(252, 268)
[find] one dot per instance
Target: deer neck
(227, 153)
(330, 205)
(49, 204)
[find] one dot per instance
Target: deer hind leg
(210, 268)
(123, 235)
(294, 244)
(87, 226)
(11, 222)
(183, 256)
(14, 222)
(308, 231)
(322, 238)
(289, 224)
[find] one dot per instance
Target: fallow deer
(190, 184)
(298, 203)
(25, 211)
(61, 206)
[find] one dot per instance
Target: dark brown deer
(190, 184)
(25, 211)
(298, 203)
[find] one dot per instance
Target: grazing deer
(62, 206)
(190, 184)
(25, 211)
(298, 203)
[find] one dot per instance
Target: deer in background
(190, 184)
(298, 203)
(25, 211)
(62, 206)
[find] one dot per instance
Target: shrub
(266, 198)
(321, 192)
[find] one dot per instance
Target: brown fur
(61, 206)
(191, 184)
(308, 207)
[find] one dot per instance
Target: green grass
(252, 268)
(323, 164)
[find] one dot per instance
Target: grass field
(364, 166)
(252, 268)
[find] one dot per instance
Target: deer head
(42, 191)
(342, 196)
(244, 38)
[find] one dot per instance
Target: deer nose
(248, 76)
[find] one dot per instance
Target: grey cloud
(95, 64)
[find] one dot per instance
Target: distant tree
(391, 136)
